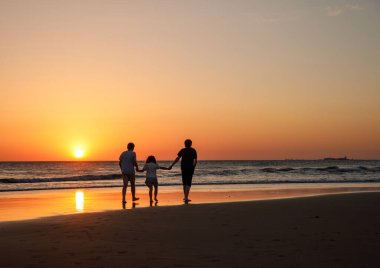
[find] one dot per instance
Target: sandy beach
(337, 230)
(26, 205)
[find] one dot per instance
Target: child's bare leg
(150, 193)
(155, 192)
(184, 191)
(125, 186)
(133, 187)
(149, 185)
(187, 191)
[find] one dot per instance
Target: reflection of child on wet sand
(151, 181)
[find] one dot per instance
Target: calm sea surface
(21, 176)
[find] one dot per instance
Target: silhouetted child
(151, 181)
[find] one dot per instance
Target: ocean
(24, 176)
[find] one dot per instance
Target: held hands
(166, 168)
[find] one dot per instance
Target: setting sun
(78, 153)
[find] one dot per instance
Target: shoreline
(207, 185)
(26, 205)
(336, 230)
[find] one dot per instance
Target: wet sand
(338, 230)
(35, 204)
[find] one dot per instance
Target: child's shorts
(151, 181)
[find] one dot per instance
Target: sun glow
(78, 153)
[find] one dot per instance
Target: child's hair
(150, 159)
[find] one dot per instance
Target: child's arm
(164, 168)
(141, 170)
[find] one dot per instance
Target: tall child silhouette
(188, 163)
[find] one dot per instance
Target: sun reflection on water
(79, 200)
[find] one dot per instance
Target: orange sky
(243, 80)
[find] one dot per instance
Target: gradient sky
(242, 79)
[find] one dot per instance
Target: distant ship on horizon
(336, 158)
